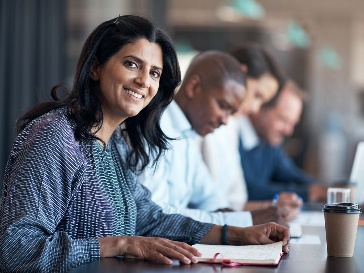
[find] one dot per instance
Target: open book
(241, 255)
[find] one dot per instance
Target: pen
(275, 199)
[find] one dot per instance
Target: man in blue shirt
(213, 89)
(267, 168)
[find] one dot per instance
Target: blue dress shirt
(268, 170)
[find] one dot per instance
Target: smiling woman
(65, 188)
(69, 197)
(128, 81)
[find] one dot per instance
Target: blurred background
(320, 44)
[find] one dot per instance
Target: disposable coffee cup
(341, 223)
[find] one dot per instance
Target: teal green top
(115, 187)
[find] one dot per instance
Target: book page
(248, 253)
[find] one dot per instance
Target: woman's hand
(148, 248)
(259, 235)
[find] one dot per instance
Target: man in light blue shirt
(213, 89)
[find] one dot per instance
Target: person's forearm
(110, 246)
(38, 252)
(254, 205)
(152, 222)
(233, 218)
(261, 234)
(213, 237)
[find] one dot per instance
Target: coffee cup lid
(349, 208)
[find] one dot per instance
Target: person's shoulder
(53, 127)
(167, 115)
(275, 152)
(54, 121)
(226, 133)
(174, 122)
(168, 123)
(281, 150)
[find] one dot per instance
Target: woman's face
(258, 92)
(129, 80)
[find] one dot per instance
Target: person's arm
(227, 174)
(163, 250)
(279, 175)
(40, 180)
(256, 235)
(297, 180)
(152, 222)
(158, 250)
(158, 182)
(160, 195)
(288, 177)
(235, 218)
(206, 194)
(166, 234)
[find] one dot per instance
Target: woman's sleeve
(42, 173)
(152, 222)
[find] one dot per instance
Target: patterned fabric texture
(113, 182)
(59, 198)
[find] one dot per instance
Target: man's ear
(193, 85)
(244, 67)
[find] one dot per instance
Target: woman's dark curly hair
(84, 106)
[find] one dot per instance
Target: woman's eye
(222, 105)
(155, 74)
(130, 64)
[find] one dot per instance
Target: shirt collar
(248, 134)
(182, 124)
